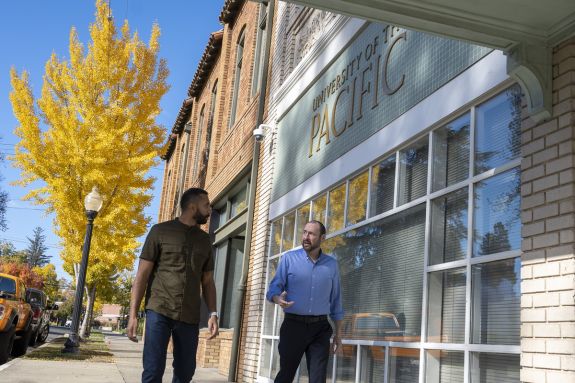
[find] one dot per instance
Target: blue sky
(32, 30)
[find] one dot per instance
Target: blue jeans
(185, 340)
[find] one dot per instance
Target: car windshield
(35, 297)
(7, 285)
(376, 323)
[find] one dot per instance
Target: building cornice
(211, 53)
(230, 11)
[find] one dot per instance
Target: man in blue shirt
(307, 287)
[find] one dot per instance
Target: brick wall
(548, 218)
(225, 351)
(208, 355)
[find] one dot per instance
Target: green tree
(36, 252)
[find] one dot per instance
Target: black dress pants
(298, 337)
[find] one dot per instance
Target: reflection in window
(269, 307)
(288, 233)
(302, 219)
(223, 215)
(357, 199)
(382, 186)
(221, 257)
(446, 307)
(382, 277)
(266, 358)
(238, 202)
(275, 359)
(451, 153)
(336, 207)
(413, 171)
(346, 362)
(372, 367)
(319, 208)
(498, 130)
(497, 214)
(276, 237)
(500, 368)
(496, 298)
(233, 275)
(403, 366)
(444, 366)
(449, 227)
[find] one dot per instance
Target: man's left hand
(213, 327)
(337, 346)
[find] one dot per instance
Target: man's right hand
(281, 300)
(131, 331)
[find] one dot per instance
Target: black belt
(306, 318)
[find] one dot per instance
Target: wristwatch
(215, 314)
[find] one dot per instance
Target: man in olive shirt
(176, 260)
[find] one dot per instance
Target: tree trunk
(86, 323)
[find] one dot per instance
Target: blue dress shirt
(314, 287)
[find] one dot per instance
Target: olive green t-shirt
(180, 253)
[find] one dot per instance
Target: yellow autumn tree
(50, 283)
(94, 125)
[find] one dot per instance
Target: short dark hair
(191, 195)
(322, 230)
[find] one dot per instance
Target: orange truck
(15, 318)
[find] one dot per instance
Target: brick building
(211, 146)
(443, 169)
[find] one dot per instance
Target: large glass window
(451, 153)
(238, 202)
(444, 366)
(449, 227)
(446, 312)
(382, 277)
(496, 302)
(276, 236)
(319, 208)
(288, 232)
(497, 214)
(413, 171)
(500, 368)
(357, 199)
(336, 208)
(458, 250)
(498, 130)
(302, 219)
(403, 366)
(382, 186)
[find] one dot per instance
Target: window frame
(466, 264)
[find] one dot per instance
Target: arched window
(237, 76)
(260, 46)
(198, 142)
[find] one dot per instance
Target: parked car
(15, 317)
(379, 326)
(41, 315)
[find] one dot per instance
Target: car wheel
(44, 334)
(6, 343)
(21, 345)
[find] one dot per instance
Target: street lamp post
(92, 204)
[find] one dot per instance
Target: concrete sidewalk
(127, 368)
(128, 358)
